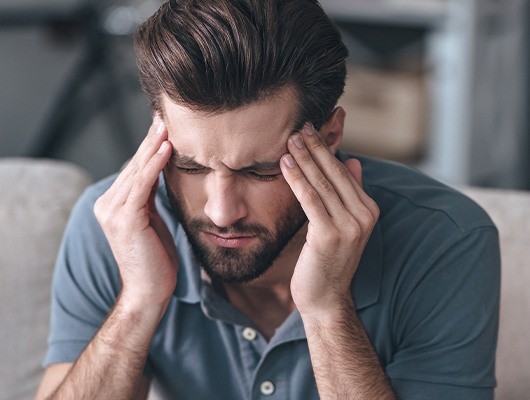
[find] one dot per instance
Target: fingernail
(289, 161)
(297, 140)
(160, 127)
(309, 129)
(162, 148)
(158, 122)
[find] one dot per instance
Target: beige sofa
(37, 196)
(36, 199)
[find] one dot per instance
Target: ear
(333, 129)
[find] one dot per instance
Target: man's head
(233, 79)
(220, 55)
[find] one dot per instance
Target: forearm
(344, 361)
(112, 365)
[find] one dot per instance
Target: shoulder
(439, 264)
(405, 193)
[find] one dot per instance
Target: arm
(341, 218)
(343, 359)
(55, 374)
(112, 364)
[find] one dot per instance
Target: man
(240, 256)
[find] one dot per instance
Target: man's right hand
(140, 240)
(112, 365)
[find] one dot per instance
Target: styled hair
(218, 55)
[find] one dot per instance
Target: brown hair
(218, 55)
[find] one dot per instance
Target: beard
(238, 265)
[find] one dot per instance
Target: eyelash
(264, 178)
(254, 175)
(191, 171)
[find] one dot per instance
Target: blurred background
(442, 85)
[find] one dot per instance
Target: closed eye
(263, 177)
(191, 170)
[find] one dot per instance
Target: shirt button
(267, 388)
(249, 334)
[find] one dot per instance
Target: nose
(225, 205)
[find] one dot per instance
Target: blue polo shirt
(426, 290)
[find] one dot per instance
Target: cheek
(276, 199)
(188, 190)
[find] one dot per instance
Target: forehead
(257, 132)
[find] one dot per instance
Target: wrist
(333, 312)
(129, 328)
(134, 305)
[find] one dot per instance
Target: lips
(229, 241)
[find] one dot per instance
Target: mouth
(229, 241)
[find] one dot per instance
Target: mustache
(238, 229)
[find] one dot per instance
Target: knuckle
(117, 225)
(325, 186)
(311, 195)
(334, 235)
(341, 171)
(100, 209)
(376, 211)
(98, 206)
(303, 157)
(315, 144)
(140, 182)
(298, 178)
(120, 224)
(366, 218)
(131, 166)
(354, 230)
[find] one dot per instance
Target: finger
(143, 183)
(306, 194)
(355, 168)
(315, 177)
(156, 134)
(346, 185)
(335, 171)
(120, 189)
(158, 223)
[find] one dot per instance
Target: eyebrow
(184, 161)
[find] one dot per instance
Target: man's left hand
(341, 218)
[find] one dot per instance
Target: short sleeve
(446, 320)
(85, 282)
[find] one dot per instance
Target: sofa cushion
(37, 196)
(510, 210)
